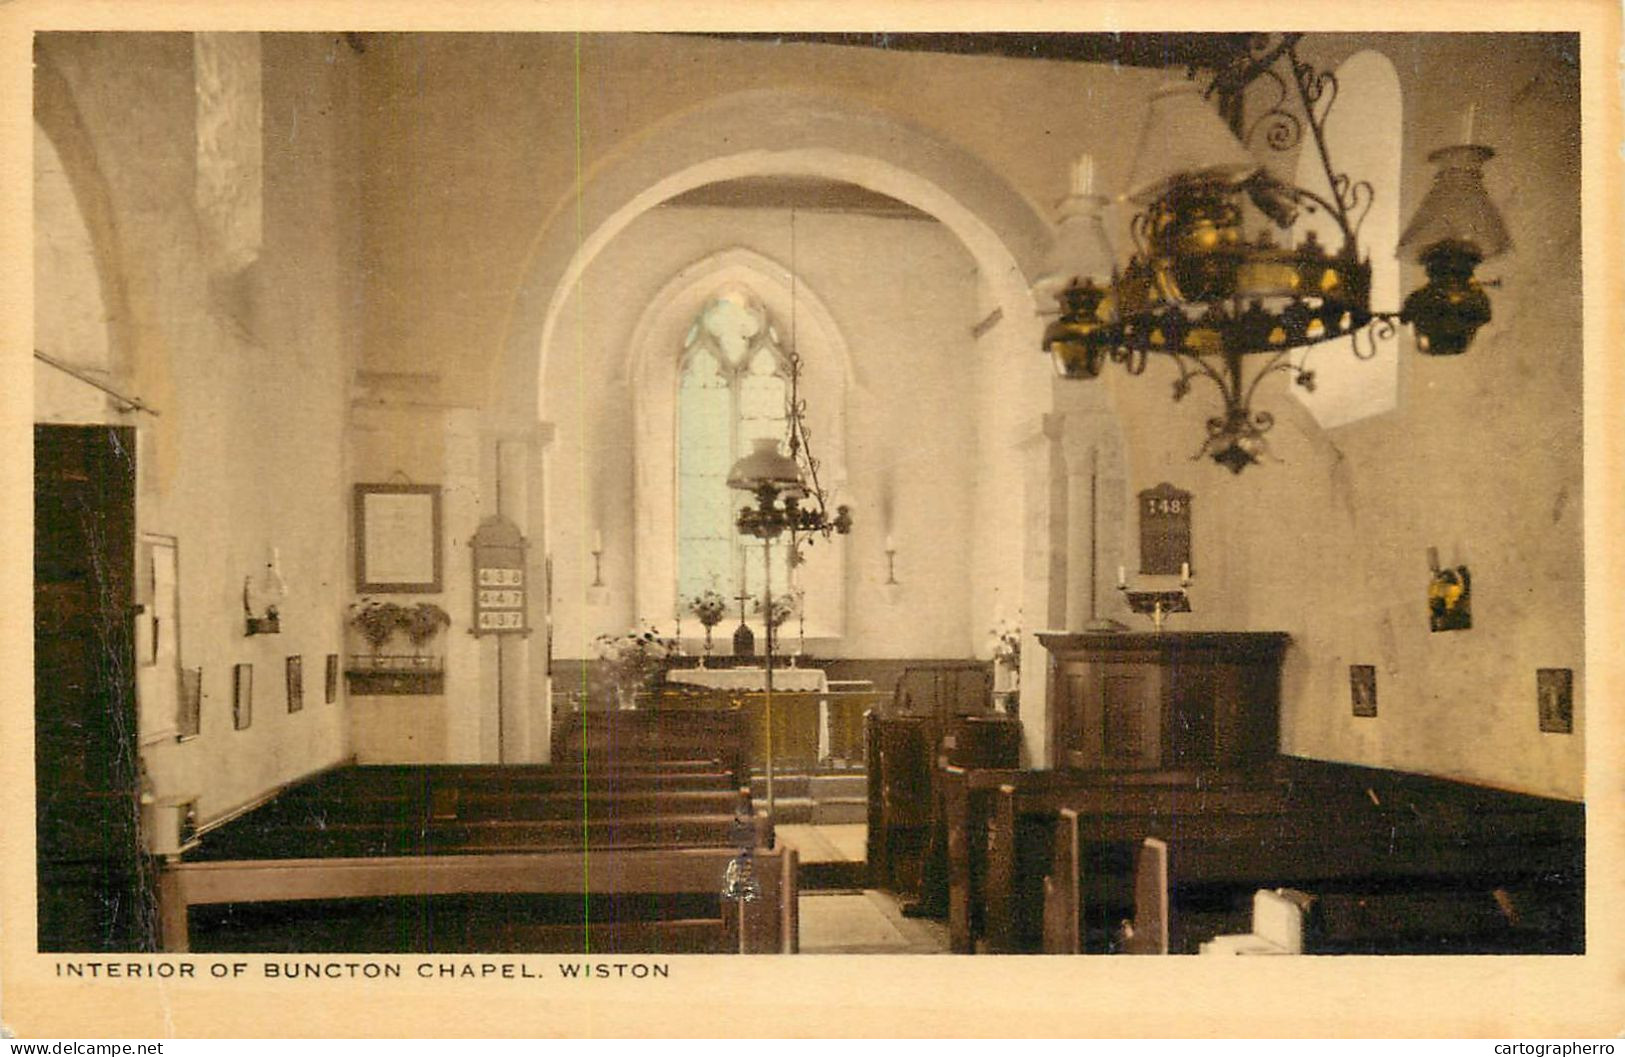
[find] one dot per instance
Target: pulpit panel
(1166, 700)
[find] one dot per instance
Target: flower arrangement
(633, 657)
(1005, 641)
(709, 607)
(782, 609)
(377, 621)
(422, 622)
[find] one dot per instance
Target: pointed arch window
(732, 388)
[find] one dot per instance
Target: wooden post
(956, 805)
(1063, 890)
(1151, 909)
(790, 904)
(875, 850)
(172, 912)
(998, 883)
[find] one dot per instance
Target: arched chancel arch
(790, 133)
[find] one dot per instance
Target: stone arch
(744, 134)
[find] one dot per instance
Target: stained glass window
(732, 388)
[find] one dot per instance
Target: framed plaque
(1165, 530)
(397, 538)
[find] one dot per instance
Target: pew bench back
(1434, 873)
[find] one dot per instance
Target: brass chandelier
(1232, 308)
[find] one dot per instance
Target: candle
(891, 543)
(597, 541)
(1467, 123)
(1184, 570)
(1122, 576)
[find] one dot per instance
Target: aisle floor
(854, 920)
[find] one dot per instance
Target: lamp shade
(766, 465)
(1184, 138)
(1081, 249)
(1457, 208)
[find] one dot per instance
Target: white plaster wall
(1481, 459)
(249, 371)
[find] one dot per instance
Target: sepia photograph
(921, 499)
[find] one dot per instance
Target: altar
(802, 732)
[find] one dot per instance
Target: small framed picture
(242, 696)
(1363, 689)
(332, 678)
(189, 705)
(1554, 693)
(295, 667)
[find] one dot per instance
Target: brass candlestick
(1160, 603)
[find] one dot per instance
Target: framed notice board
(397, 538)
(1165, 530)
(500, 590)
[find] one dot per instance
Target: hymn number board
(499, 579)
(1165, 530)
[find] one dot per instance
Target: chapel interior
(397, 395)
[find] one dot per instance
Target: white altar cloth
(799, 680)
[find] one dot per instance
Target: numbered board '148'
(1165, 530)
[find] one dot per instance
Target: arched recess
(651, 369)
(70, 312)
(56, 116)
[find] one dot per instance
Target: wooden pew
(909, 761)
(769, 922)
(979, 905)
(652, 735)
(1419, 842)
(374, 833)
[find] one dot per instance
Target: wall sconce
(1450, 596)
(263, 597)
(597, 591)
(891, 588)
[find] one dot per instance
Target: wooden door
(94, 892)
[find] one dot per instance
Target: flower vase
(707, 654)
